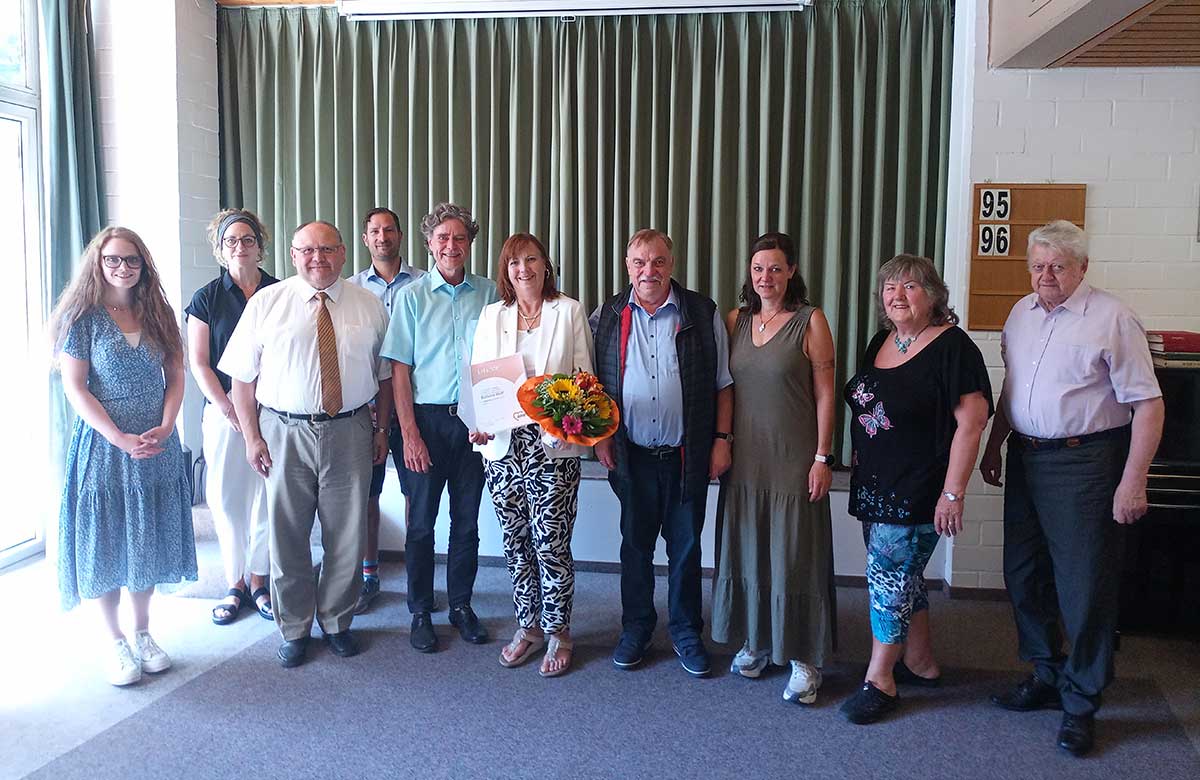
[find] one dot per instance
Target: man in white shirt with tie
(1085, 413)
(304, 360)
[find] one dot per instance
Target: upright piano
(1160, 577)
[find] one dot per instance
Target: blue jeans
(651, 504)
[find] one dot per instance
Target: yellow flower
(562, 390)
(597, 405)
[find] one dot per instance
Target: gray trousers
(323, 470)
(1062, 562)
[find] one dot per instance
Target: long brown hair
(86, 291)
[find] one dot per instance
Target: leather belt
(316, 417)
(654, 453)
(450, 409)
(1034, 443)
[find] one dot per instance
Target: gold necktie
(331, 378)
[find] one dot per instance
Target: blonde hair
(86, 291)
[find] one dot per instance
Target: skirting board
(842, 580)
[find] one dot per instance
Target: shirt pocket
(1073, 364)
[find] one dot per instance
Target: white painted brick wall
(1132, 136)
(157, 88)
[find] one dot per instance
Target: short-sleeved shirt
(1076, 369)
(276, 344)
(384, 290)
(651, 391)
(219, 304)
(432, 330)
(902, 423)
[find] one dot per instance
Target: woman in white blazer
(534, 479)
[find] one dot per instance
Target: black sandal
(264, 610)
(229, 612)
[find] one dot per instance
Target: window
(24, 461)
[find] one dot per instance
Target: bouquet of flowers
(570, 407)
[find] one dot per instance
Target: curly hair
(444, 211)
(1061, 236)
(922, 271)
(86, 291)
(214, 227)
(796, 294)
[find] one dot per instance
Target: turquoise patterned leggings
(896, 558)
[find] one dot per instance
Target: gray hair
(444, 211)
(1062, 236)
(922, 271)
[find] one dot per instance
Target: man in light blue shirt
(385, 277)
(430, 336)
(663, 352)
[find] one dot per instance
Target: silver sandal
(533, 644)
(552, 649)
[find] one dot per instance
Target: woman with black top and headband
(233, 490)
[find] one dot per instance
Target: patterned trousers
(896, 558)
(536, 499)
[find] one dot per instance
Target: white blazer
(566, 345)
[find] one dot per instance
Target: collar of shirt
(1076, 304)
(437, 280)
(670, 301)
(404, 272)
(228, 283)
(308, 292)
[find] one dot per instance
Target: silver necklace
(904, 345)
(762, 324)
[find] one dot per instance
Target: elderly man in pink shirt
(1085, 414)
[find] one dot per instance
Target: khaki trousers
(320, 469)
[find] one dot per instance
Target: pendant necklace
(762, 324)
(529, 320)
(904, 345)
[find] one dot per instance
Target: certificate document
(494, 385)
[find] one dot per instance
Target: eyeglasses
(1054, 268)
(308, 251)
(133, 262)
(246, 241)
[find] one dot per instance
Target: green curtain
(74, 190)
(831, 124)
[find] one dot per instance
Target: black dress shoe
(1077, 733)
(421, 636)
(342, 644)
(1030, 694)
(292, 652)
(464, 619)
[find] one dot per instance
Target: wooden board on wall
(1004, 216)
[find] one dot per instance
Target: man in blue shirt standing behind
(662, 352)
(431, 332)
(386, 276)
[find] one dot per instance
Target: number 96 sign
(994, 205)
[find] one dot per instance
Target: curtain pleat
(831, 124)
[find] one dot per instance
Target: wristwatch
(952, 497)
(826, 459)
(726, 436)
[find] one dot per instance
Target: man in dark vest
(663, 353)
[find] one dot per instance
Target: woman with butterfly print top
(919, 404)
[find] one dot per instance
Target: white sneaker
(123, 667)
(803, 684)
(153, 658)
(749, 663)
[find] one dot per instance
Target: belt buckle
(453, 410)
(1072, 441)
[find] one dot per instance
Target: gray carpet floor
(457, 713)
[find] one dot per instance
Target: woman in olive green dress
(772, 589)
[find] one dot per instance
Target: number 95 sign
(994, 205)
